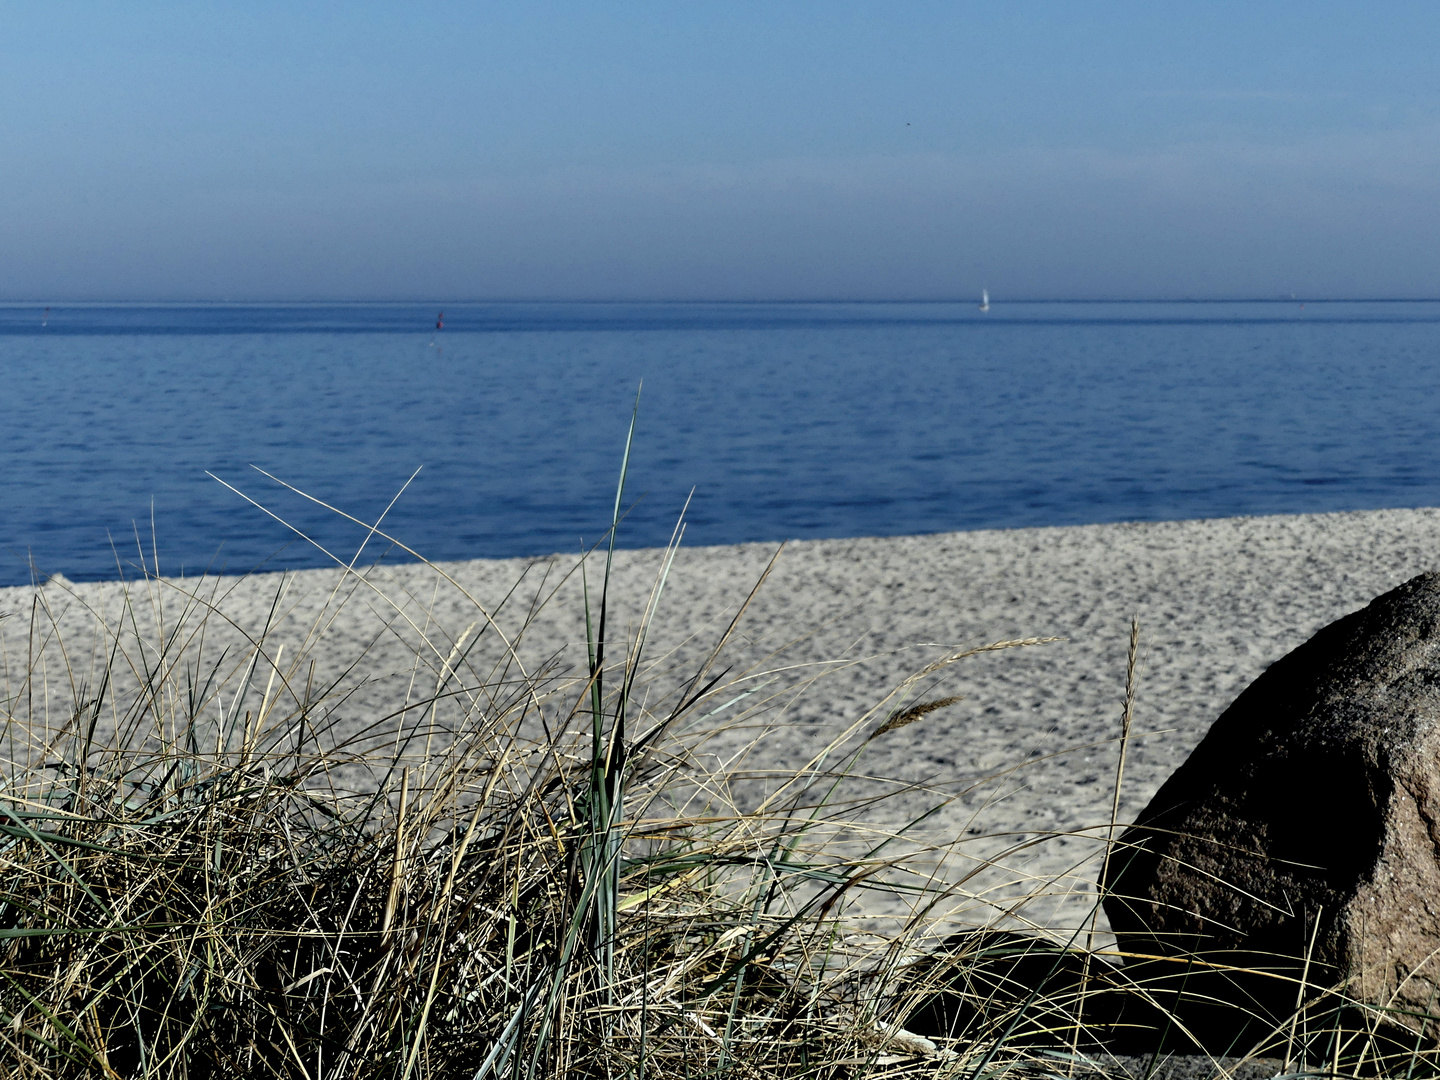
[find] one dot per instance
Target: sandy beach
(1217, 602)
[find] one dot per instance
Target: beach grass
(530, 870)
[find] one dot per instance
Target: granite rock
(1305, 826)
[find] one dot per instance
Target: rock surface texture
(1307, 822)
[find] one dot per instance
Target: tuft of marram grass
(523, 873)
(192, 888)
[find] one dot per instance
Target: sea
(244, 437)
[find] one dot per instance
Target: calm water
(788, 420)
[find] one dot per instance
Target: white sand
(1218, 601)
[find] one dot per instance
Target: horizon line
(352, 302)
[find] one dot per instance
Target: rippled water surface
(787, 420)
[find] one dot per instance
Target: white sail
(984, 299)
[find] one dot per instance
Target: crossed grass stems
(523, 872)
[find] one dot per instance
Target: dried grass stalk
(915, 712)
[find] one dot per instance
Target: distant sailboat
(984, 299)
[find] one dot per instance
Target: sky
(684, 150)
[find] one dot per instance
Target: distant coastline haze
(739, 151)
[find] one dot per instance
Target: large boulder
(1303, 834)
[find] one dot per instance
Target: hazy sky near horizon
(362, 150)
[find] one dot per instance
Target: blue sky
(717, 150)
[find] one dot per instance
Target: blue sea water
(786, 420)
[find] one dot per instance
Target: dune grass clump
(526, 871)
